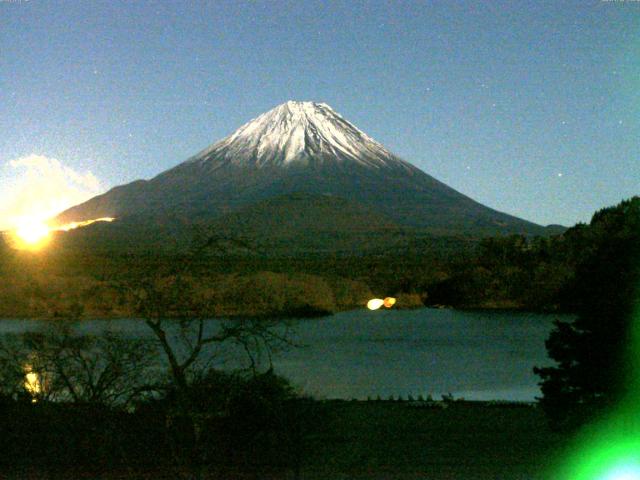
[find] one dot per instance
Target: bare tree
(190, 344)
(59, 364)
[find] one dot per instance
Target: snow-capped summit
(298, 148)
(298, 133)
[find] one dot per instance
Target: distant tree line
(507, 272)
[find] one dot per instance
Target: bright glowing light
(609, 449)
(389, 302)
(32, 383)
(610, 452)
(375, 303)
(73, 225)
(624, 472)
(41, 187)
(31, 233)
(35, 189)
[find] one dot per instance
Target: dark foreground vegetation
(80, 406)
(245, 424)
(72, 402)
(597, 354)
(77, 406)
(268, 436)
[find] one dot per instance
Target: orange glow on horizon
(30, 234)
(73, 225)
(33, 234)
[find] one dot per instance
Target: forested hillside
(227, 277)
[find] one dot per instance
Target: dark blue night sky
(528, 107)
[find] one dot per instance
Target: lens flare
(610, 448)
(624, 472)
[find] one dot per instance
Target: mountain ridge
(300, 147)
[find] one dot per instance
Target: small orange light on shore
(376, 303)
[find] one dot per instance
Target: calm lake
(360, 354)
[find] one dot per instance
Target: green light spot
(624, 472)
(610, 448)
(607, 451)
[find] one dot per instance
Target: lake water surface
(360, 354)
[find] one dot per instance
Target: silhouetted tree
(59, 364)
(190, 344)
(592, 352)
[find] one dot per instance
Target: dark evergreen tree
(593, 352)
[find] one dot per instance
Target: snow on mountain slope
(299, 147)
(299, 132)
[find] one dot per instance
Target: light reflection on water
(32, 383)
(360, 354)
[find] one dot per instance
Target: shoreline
(297, 314)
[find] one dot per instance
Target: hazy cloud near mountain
(39, 187)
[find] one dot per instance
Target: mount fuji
(296, 157)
